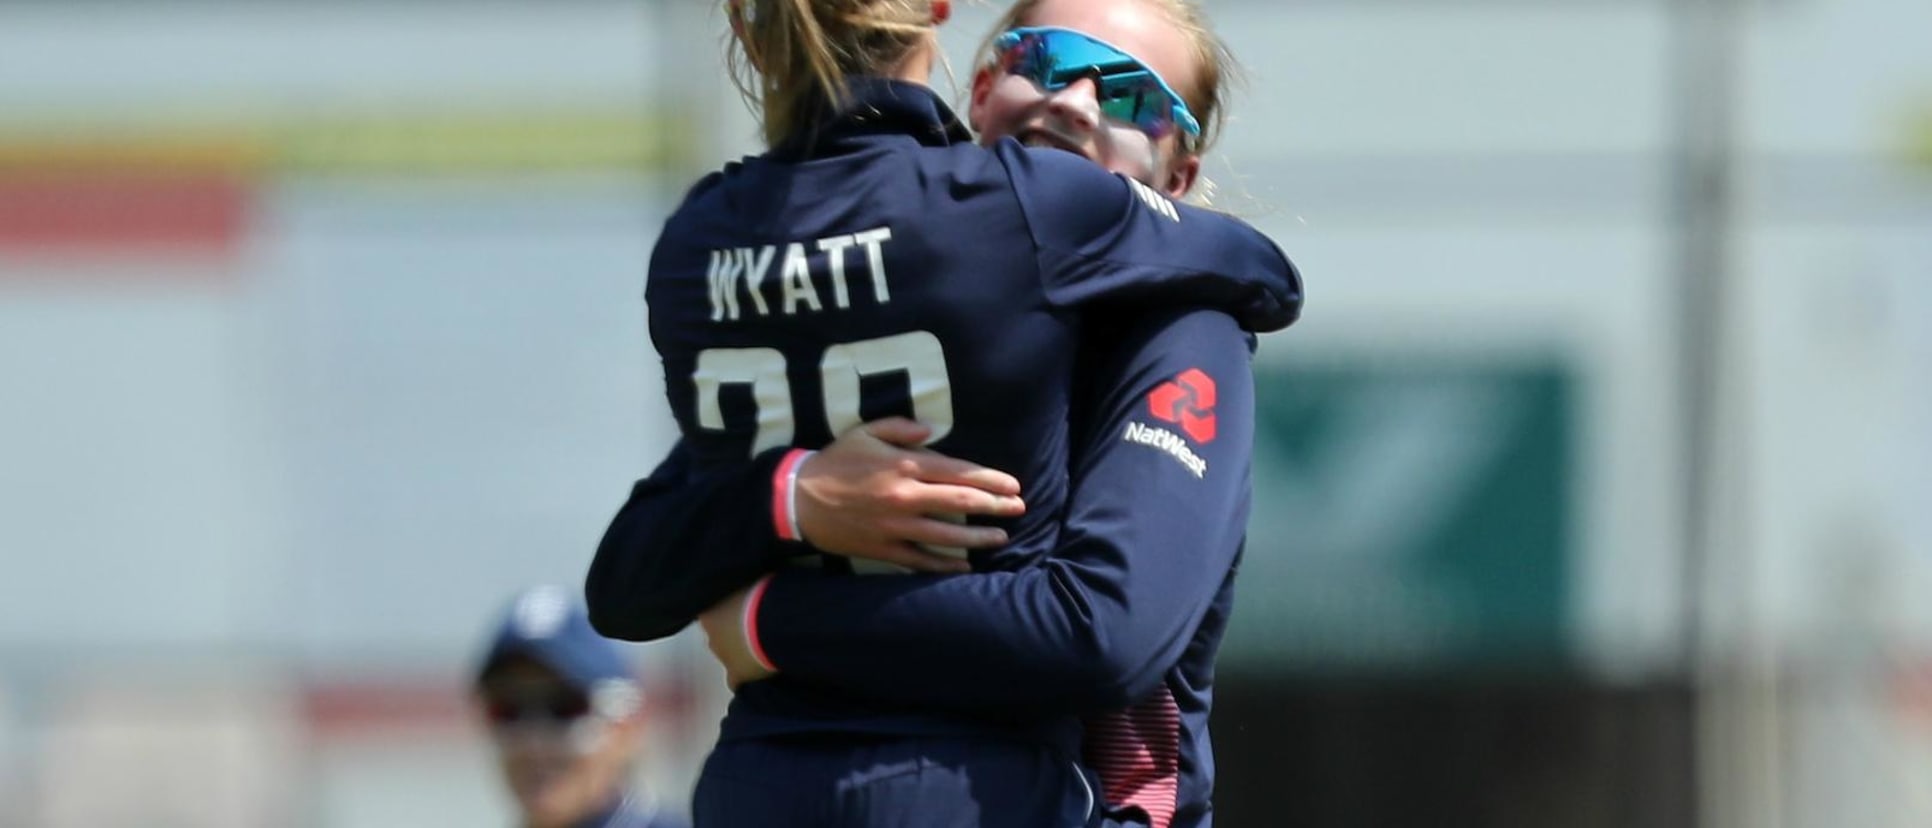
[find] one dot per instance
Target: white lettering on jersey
(874, 241)
(724, 285)
(755, 267)
(834, 249)
(797, 281)
(1169, 442)
(745, 268)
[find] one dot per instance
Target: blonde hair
(1215, 65)
(789, 58)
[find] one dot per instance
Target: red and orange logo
(1187, 401)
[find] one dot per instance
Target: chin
(554, 810)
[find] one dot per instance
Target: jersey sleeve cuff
(752, 641)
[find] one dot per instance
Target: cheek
(1007, 107)
(534, 755)
(1131, 153)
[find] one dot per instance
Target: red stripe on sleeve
(751, 623)
(1136, 753)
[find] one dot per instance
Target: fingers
(899, 431)
(934, 467)
(974, 502)
(927, 499)
(934, 532)
(919, 560)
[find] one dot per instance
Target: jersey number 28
(917, 354)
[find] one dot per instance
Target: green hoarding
(1409, 515)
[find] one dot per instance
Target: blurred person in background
(566, 715)
(955, 666)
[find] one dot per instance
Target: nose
(1078, 104)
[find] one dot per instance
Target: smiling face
(1069, 118)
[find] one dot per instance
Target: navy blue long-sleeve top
(890, 268)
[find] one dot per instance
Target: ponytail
(791, 57)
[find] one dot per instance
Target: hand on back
(875, 493)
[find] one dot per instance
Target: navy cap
(549, 624)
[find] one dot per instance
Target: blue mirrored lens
(1128, 90)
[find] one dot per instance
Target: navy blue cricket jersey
(1120, 623)
(890, 267)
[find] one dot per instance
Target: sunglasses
(561, 708)
(1128, 91)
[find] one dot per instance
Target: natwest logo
(1187, 401)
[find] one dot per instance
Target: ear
(1181, 175)
(942, 11)
(983, 81)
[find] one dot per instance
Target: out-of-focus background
(1594, 489)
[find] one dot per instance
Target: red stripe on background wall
(348, 708)
(106, 211)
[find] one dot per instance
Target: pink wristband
(784, 495)
(752, 601)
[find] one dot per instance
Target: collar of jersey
(878, 106)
